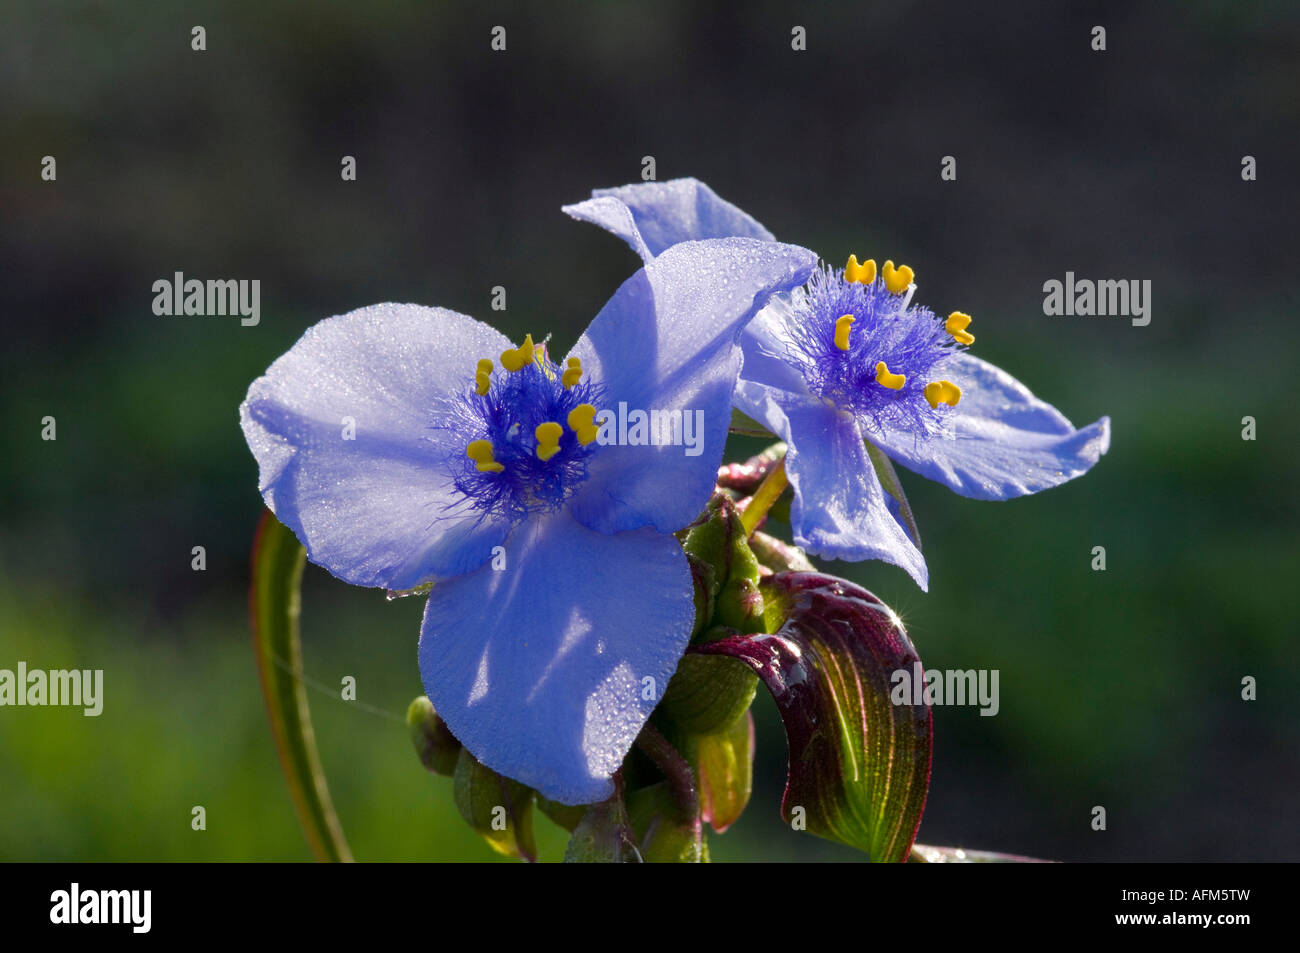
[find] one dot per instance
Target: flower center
(860, 344)
(528, 430)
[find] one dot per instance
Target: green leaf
(884, 468)
(498, 808)
(747, 426)
(275, 604)
(859, 764)
(923, 854)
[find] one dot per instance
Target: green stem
(678, 771)
(768, 492)
(274, 602)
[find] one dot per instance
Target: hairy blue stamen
(910, 341)
(511, 468)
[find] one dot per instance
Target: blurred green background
(1118, 688)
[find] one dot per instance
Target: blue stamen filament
(862, 346)
(526, 429)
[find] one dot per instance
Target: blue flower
(399, 452)
(848, 363)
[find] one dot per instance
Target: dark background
(1118, 688)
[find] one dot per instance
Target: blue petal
(765, 342)
(653, 216)
(614, 216)
(1003, 442)
(376, 510)
(540, 669)
(666, 341)
(840, 510)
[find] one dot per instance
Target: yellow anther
(896, 279)
(483, 377)
(548, 439)
(480, 451)
(573, 373)
(886, 379)
(865, 272)
(956, 326)
(942, 392)
(582, 422)
(843, 324)
(516, 357)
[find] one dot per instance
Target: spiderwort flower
(848, 357)
(546, 655)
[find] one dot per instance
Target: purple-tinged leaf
(924, 854)
(859, 764)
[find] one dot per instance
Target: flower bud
(436, 746)
(705, 592)
(724, 767)
(718, 541)
(604, 836)
(496, 807)
(745, 477)
(708, 693)
(778, 555)
(664, 835)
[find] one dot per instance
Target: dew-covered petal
(653, 216)
(614, 216)
(546, 669)
(347, 456)
(666, 343)
(840, 510)
(765, 343)
(1002, 441)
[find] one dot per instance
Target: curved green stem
(274, 603)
